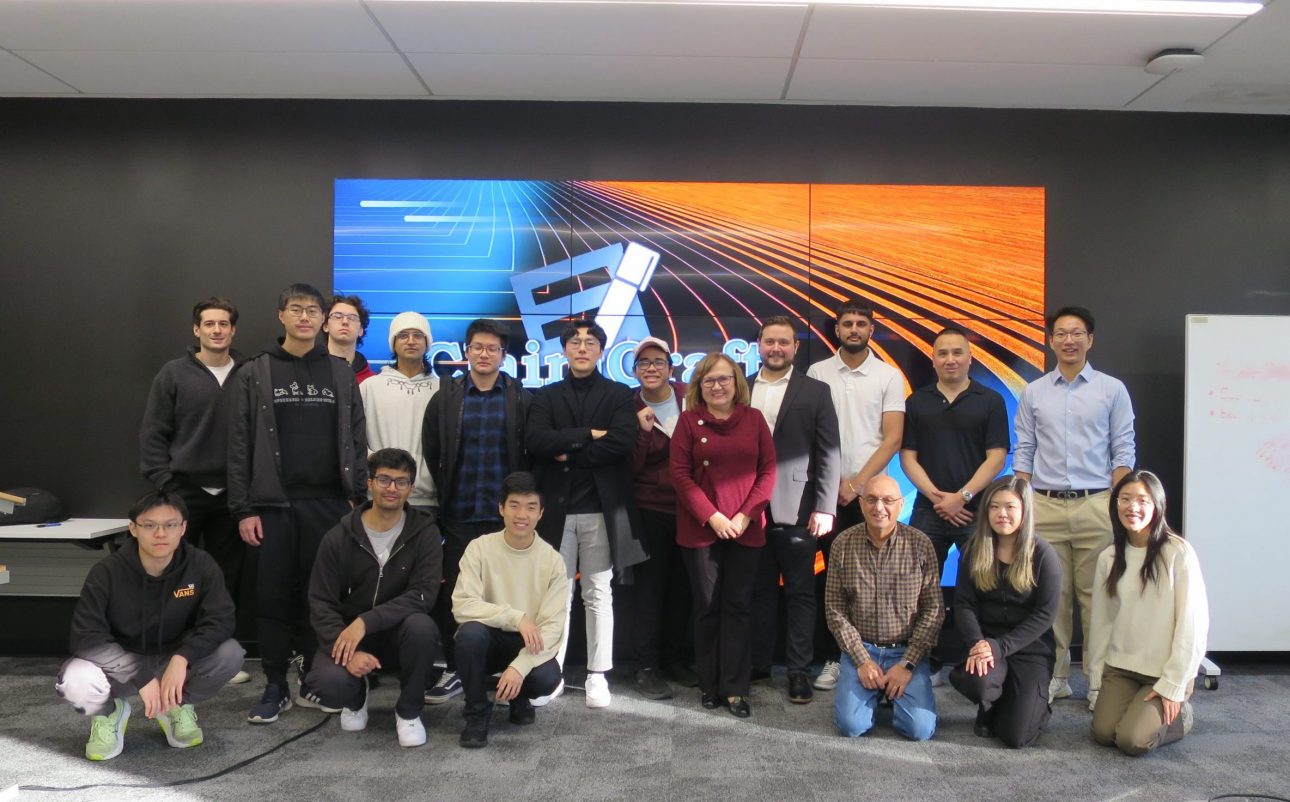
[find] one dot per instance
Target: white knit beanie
(409, 320)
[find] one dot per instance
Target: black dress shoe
(476, 733)
(799, 689)
(522, 712)
(758, 675)
(984, 726)
(739, 707)
(651, 685)
(711, 701)
(681, 674)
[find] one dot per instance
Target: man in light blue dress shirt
(1074, 441)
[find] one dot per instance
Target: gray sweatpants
(89, 689)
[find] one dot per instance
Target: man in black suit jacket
(581, 432)
(808, 469)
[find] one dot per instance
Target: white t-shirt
(221, 373)
(861, 396)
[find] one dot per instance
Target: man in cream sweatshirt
(511, 601)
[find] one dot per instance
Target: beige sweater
(499, 585)
(1159, 631)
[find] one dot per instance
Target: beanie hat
(409, 320)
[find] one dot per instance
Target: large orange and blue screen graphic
(699, 265)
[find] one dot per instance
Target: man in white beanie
(395, 400)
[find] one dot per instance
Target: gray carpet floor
(643, 750)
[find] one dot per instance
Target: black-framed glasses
(382, 481)
(657, 364)
(340, 317)
(479, 349)
(717, 381)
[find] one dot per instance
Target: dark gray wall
(116, 215)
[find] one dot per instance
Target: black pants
(212, 529)
(409, 649)
(1015, 692)
(790, 553)
(721, 581)
(456, 536)
(483, 650)
(662, 611)
(846, 518)
(943, 534)
(286, 560)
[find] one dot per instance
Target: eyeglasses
(477, 349)
(410, 334)
(717, 381)
(657, 364)
(589, 343)
(1134, 501)
(149, 527)
(343, 317)
(304, 311)
(1074, 336)
(382, 481)
(886, 501)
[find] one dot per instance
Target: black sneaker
(475, 735)
(651, 685)
(448, 686)
(307, 697)
(276, 700)
(799, 689)
(522, 713)
(983, 727)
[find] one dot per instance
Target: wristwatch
(967, 495)
(910, 666)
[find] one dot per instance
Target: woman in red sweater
(723, 468)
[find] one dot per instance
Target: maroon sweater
(652, 473)
(725, 466)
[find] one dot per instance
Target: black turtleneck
(583, 498)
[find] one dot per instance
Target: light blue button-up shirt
(1072, 435)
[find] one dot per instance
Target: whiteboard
(1237, 475)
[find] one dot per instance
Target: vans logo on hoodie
(183, 593)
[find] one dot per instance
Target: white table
(74, 530)
(40, 562)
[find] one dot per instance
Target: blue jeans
(914, 713)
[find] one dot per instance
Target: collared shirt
(1072, 435)
(861, 396)
(886, 594)
(482, 463)
(951, 438)
(768, 397)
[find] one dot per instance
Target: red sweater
(653, 472)
(725, 466)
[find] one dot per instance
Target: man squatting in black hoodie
(297, 459)
(157, 620)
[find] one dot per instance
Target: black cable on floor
(1248, 796)
(190, 780)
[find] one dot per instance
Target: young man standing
(155, 619)
(472, 437)
(297, 461)
(804, 425)
(183, 441)
(345, 327)
(374, 582)
(1074, 442)
(869, 397)
(395, 400)
(511, 600)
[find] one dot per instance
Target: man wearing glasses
(345, 327)
(883, 604)
(581, 432)
(395, 400)
(297, 460)
(472, 438)
(374, 582)
(662, 608)
(1074, 441)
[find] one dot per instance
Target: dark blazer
(555, 427)
(808, 464)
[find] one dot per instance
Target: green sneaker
(107, 733)
(180, 726)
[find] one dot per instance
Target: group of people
(379, 521)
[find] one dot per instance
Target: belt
(896, 645)
(1070, 494)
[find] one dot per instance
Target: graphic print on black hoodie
(304, 407)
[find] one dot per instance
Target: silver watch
(966, 494)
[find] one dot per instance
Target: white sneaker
(1059, 688)
(543, 701)
(828, 678)
(596, 689)
(240, 678)
(1188, 717)
(355, 720)
(1092, 699)
(411, 731)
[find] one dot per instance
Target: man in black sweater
(297, 449)
(183, 444)
(154, 619)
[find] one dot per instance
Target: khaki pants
(1077, 529)
(1124, 719)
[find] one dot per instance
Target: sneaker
(180, 726)
(542, 701)
(411, 731)
(274, 701)
(596, 689)
(307, 697)
(651, 685)
(355, 720)
(1188, 716)
(1092, 700)
(1059, 688)
(448, 686)
(681, 674)
(799, 689)
(522, 712)
(938, 679)
(107, 733)
(240, 678)
(828, 678)
(475, 735)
